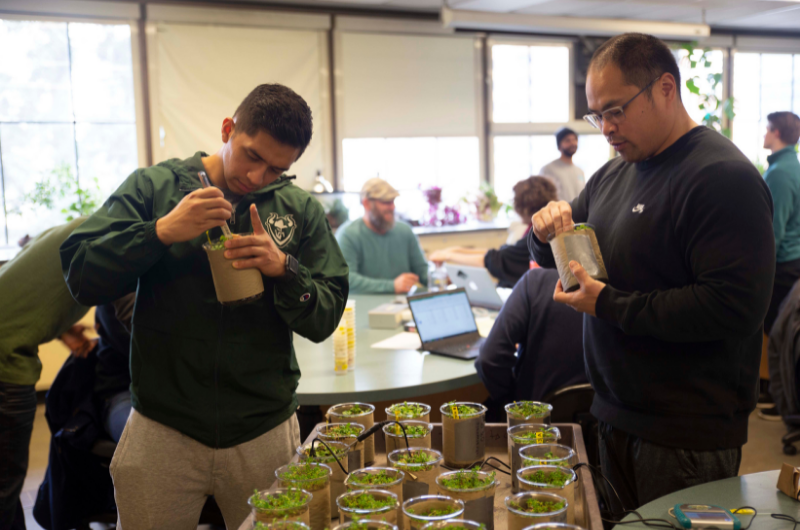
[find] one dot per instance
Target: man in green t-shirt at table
(384, 256)
(36, 309)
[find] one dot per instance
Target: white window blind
(200, 74)
(406, 86)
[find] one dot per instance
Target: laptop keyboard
(454, 348)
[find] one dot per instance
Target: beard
(570, 151)
(380, 222)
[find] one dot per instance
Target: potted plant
(280, 525)
(280, 504)
(232, 285)
(419, 511)
(523, 435)
(379, 505)
(463, 437)
(365, 524)
(418, 434)
(528, 412)
(476, 489)
(551, 479)
(314, 478)
(531, 507)
(577, 243)
(346, 433)
(547, 455)
(409, 410)
(362, 413)
(378, 478)
(454, 524)
(335, 458)
(421, 467)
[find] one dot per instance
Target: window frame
(139, 95)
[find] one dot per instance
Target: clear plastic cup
(520, 518)
(409, 410)
(478, 499)
(364, 414)
(537, 478)
(349, 508)
(463, 434)
(420, 475)
(417, 511)
(396, 440)
(528, 412)
(328, 432)
(322, 455)
(547, 455)
(577, 242)
(318, 483)
(296, 510)
(523, 435)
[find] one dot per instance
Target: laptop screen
(444, 315)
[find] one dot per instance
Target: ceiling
(771, 15)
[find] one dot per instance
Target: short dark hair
(562, 133)
(787, 124)
(641, 59)
(533, 194)
(278, 111)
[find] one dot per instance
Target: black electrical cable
(755, 512)
(782, 517)
(313, 453)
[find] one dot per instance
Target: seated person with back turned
(550, 339)
(383, 256)
(509, 262)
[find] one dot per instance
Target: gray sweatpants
(162, 477)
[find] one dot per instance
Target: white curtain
(200, 73)
(406, 85)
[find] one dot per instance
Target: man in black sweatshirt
(684, 221)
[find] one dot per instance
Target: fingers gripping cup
(577, 243)
(232, 285)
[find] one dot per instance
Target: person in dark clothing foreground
(509, 262)
(684, 221)
(549, 335)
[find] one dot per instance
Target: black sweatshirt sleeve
(495, 364)
(723, 221)
(508, 263)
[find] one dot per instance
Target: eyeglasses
(614, 115)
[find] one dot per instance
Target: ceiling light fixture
(511, 22)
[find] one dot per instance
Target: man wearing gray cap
(383, 256)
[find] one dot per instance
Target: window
(66, 101)
(451, 163)
(700, 72)
(530, 84)
(519, 157)
(762, 83)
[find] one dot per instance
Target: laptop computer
(478, 284)
(445, 323)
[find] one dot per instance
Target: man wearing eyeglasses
(672, 343)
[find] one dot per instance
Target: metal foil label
(470, 440)
(481, 511)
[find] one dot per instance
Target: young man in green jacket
(213, 386)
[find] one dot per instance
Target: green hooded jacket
(222, 375)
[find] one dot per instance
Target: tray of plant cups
(463, 433)
(365, 524)
(547, 455)
(315, 478)
(528, 412)
(454, 524)
(361, 413)
(475, 488)
(377, 505)
(337, 461)
(346, 433)
(280, 525)
(419, 511)
(531, 507)
(525, 434)
(551, 479)
(418, 434)
(421, 467)
(282, 504)
(409, 410)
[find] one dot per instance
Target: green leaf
(693, 63)
(693, 88)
